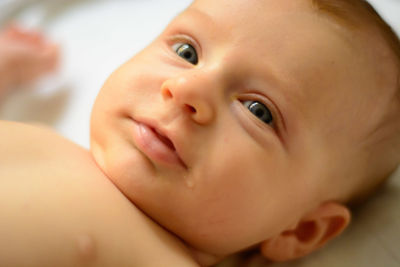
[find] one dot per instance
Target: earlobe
(312, 232)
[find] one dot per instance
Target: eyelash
(254, 98)
(187, 52)
(184, 39)
(260, 111)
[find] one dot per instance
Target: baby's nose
(191, 96)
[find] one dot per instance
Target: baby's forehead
(246, 12)
(238, 18)
(283, 37)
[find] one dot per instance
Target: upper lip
(165, 134)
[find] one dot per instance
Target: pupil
(187, 55)
(187, 52)
(259, 112)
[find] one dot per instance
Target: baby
(243, 125)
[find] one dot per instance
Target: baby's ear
(312, 232)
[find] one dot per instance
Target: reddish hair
(349, 12)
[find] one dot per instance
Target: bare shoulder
(58, 209)
(25, 139)
(14, 130)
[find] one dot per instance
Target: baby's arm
(24, 56)
(58, 209)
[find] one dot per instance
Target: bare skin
(60, 209)
(179, 138)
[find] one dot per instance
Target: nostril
(190, 108)
(166, 93)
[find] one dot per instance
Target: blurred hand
(25, 56)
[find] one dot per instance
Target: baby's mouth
(156, 145)
(164, 139)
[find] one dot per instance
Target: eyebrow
(200, 13)
(344, 12)
(190, 19)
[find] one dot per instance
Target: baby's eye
(259, 110)
(187, 52)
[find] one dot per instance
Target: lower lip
(149, 143)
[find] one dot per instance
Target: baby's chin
(100, 158)
(97, 155)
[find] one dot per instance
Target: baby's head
(254, 123)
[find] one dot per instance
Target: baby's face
(257, 105)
